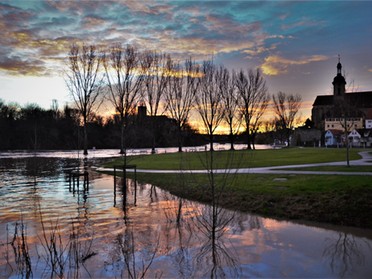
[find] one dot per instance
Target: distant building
(368, 124)
(341, 123)
(366, 137)
(333, 137)
(354, 105)
(304, 136)
(355, 138)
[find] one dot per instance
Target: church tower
(339, 81)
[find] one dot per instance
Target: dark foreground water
(48, 229)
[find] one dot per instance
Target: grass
(240, 159)
(344, 200)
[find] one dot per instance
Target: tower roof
(339, 78)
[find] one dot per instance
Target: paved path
(365, 161)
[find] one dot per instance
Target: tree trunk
(211, 142)
(85, 138)
(249, 147)
(179, 138)
(231, 138)
(122, 140)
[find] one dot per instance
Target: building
(368, 124)
(340, 123)
(333, 138)
(355, 138)
(352, 105)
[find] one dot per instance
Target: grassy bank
(240, 158)
(344, 200)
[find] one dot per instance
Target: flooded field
(49, 228)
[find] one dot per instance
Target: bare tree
(124, 81)
(286, 107)
(254, 99)
(182, 86)
(209, 100)
(230, 98)
(153, 67)
(84, 81)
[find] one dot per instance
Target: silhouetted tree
(209, 99)
(253, 100)
(286, 107)
(181, 88)
(230, 99)
(124, 82)
(84, 82)
(153, 67)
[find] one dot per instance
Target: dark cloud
(15, 65)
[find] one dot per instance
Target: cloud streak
(276, 65)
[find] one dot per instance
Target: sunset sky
(295, 43)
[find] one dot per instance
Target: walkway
(366, 160)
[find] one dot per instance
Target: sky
(296, 44)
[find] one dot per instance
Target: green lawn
(239, 159)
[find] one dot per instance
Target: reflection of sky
(295, 43)
(261, 247)
(285, 249)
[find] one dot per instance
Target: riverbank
(330, 198)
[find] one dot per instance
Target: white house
(333, 137)
(368, 124)
(354, 138)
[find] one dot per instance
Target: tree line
(125, 77)
(34, 128)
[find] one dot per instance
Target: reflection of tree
(153, 194)
(344, 253)
(180, 232)
(135, 248)
(137, 262)
(213, 222)
(254, 222)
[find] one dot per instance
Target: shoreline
(345, 208)
(339, 198)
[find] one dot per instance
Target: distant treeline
(32, 127)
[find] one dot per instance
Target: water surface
(49, 229)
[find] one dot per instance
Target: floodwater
(51, 229)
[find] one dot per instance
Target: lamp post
(346, 142)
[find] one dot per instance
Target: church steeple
(339, 81)
(339, 66)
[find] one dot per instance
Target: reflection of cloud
(276, 65)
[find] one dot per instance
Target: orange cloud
(276, 65)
